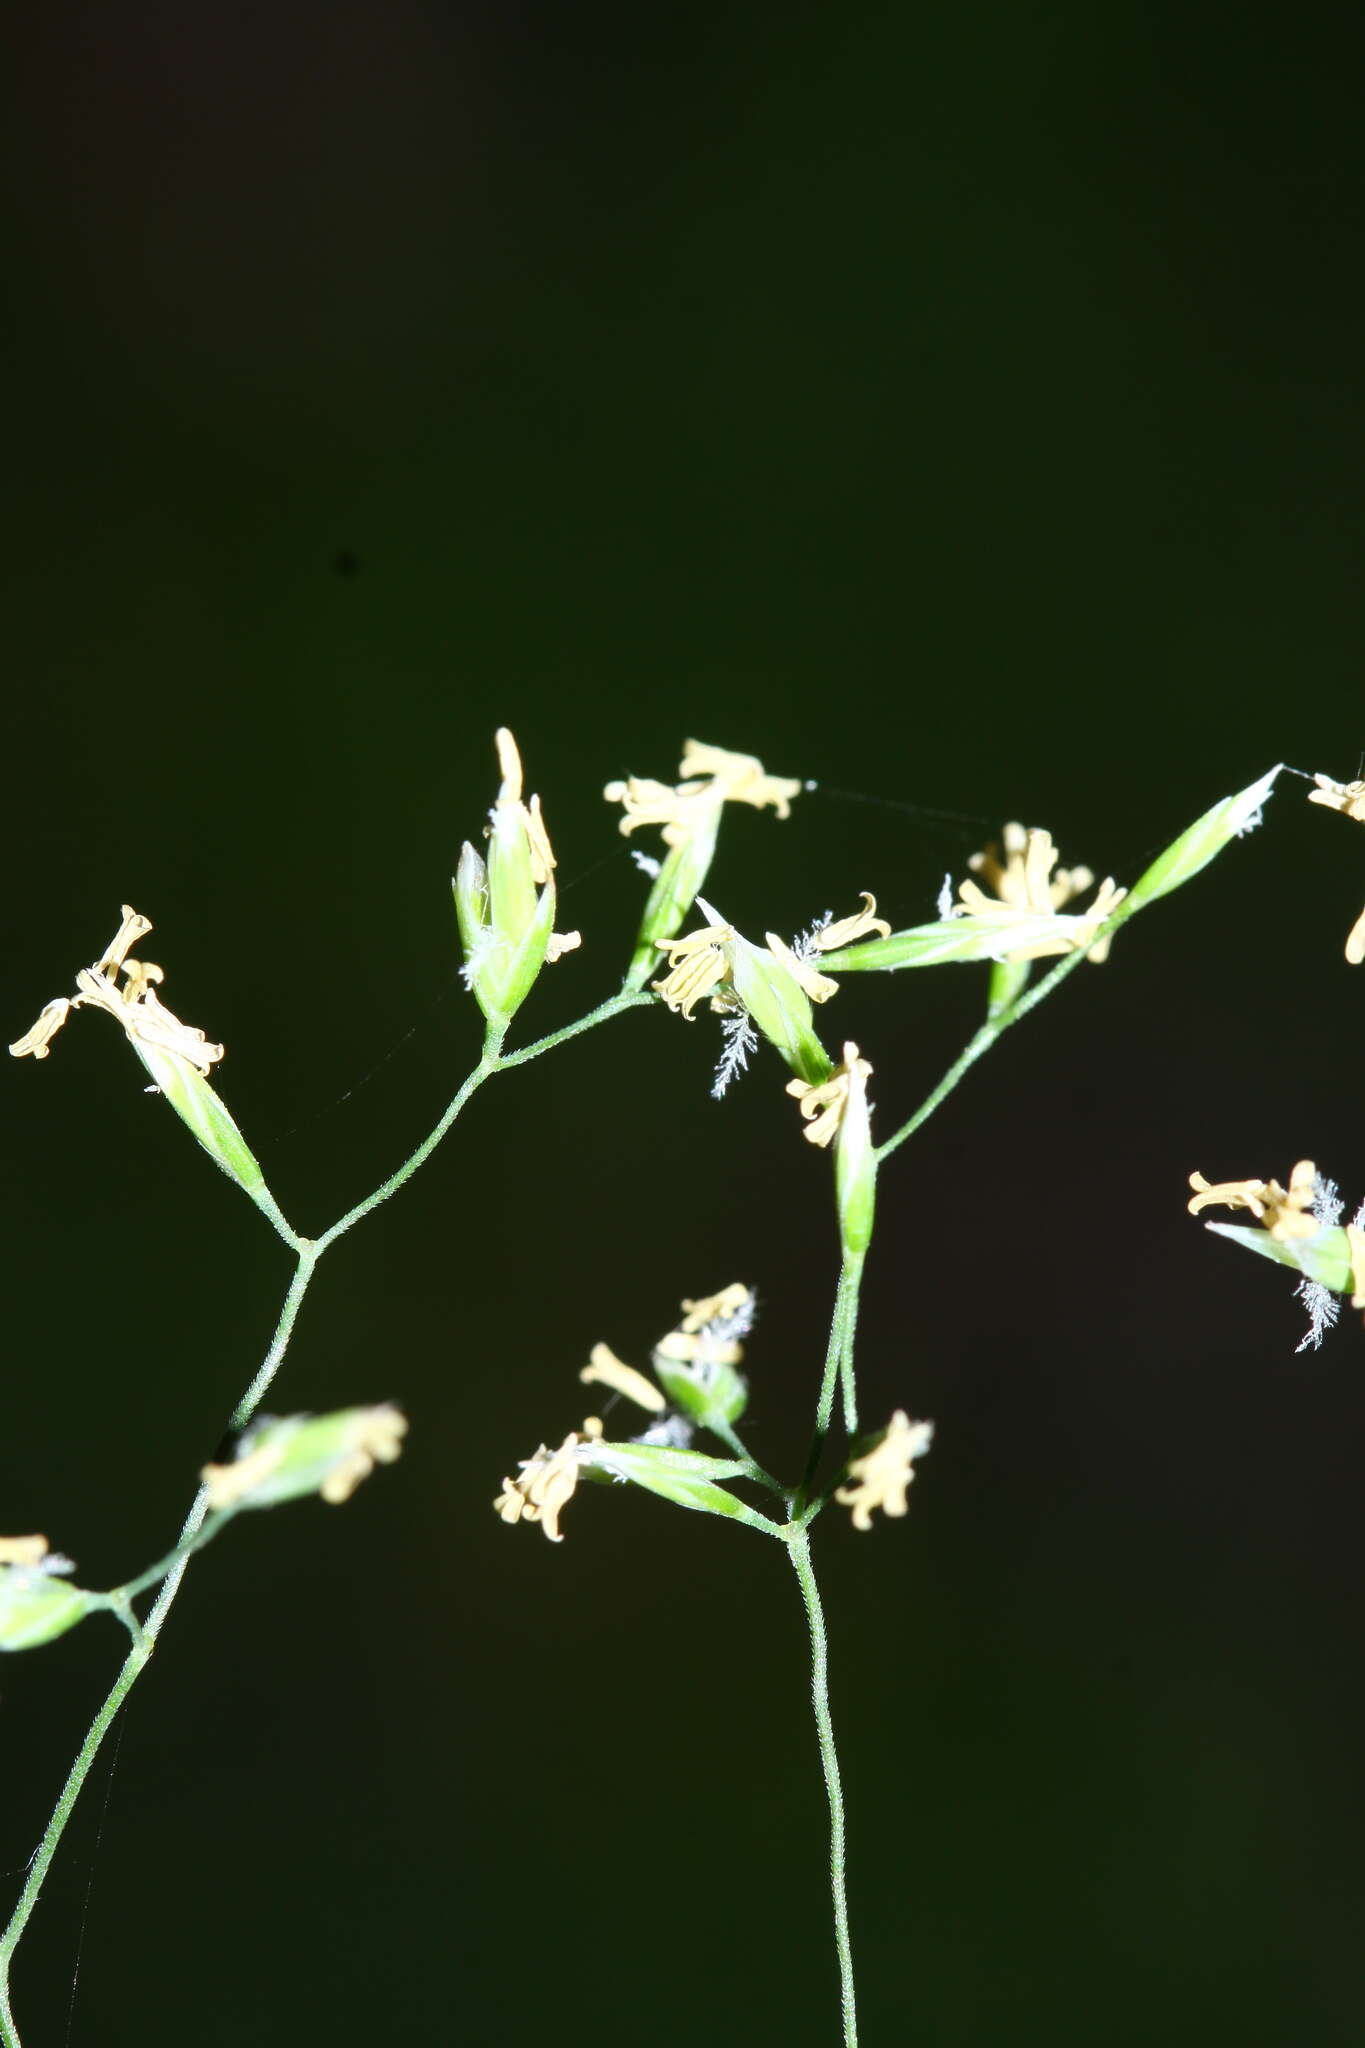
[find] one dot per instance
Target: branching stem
(731, 1438)
(199, 1527)
(983, 1041)
(629, 999)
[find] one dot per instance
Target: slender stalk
(629, 999)
(983, 1041)
(733, 1441)
(853, 1264)
(494, 1061)
(52, 1834)
(284, 1329)
(838, 1361)
(133, 1663)
(195, 1532)
(187, 1547)
(839, 1367)
(798, 1543)
(487, 1065)
(278, 1222)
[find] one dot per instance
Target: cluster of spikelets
(1018, 907)
(696, 1382)
(277, 1459)
(1301, 1226)
(1304, 1218)
(768, 990)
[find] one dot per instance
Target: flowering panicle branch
(1019, 907)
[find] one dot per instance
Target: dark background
(962, 408)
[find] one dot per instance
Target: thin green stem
(276, 1218)
(487, 1065)
(983, 1041)
(133, 1663)
(846, 1374)
(186, 1548)
(284, 1329)
(798, 1543)
(838, 1362)
(629, 999)
(494, 1061)
(199, 1528)
(733, 1441)
(52, 1834)
(845, 1312)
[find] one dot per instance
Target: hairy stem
(798, 1543)
(853, 1260)
(187, 1547)
(629, 999)
(284, 1329)
(838, 1364)
(487, 1065)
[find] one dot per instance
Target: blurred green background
(962, 409)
